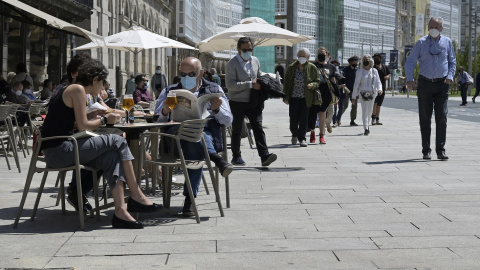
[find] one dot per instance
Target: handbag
(317, 96)
(333, 87)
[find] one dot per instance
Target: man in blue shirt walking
(463, 84)
(437, 63)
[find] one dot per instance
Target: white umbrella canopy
(262, 33)
(136, 39)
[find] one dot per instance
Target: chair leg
(227, 191)
(6, 154)
(205, 184)
(212, 177)
(26, 188)
(79, 198)
(59, 195)
(39, 195)
(61, 192)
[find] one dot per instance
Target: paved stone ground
(358, 202)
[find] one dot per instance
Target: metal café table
(133, 132)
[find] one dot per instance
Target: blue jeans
(432, 96)
(193, 151)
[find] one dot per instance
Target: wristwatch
(103, 120)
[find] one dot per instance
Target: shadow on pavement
(270, 169)
(397, 161)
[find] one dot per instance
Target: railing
(85, 3)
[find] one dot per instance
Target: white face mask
(246, 55)
(18, 92)
(302, 60)
(434, 33)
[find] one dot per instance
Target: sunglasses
(190, 74)
(247, 50)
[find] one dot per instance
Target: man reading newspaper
(218, 113)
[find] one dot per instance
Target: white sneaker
(294, 140)
(303, 143)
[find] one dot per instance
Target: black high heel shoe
(124, 224)
(134, 206)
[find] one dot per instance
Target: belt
(420, 77)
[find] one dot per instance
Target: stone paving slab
(358, 202)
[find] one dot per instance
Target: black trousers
(254, 114)
(298, 112)
(432, 95)
(463, 92)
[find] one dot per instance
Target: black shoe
(367, 131)
(123, 224)
(225, 168)
(238, 161)
(134, 206)
(72, 199)
(463, 104)
(473, 100)
(442, 156)
(187, 210)
(353, 124)
(268, 159)
(427, 156)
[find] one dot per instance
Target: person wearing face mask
(241, 76)
(27, 90)
(191, 73)
(437, 63)
(159, 82)
(384, 74)
(141, 95)
(349, 74)
(15, 95)
(367, 81)
(326, 71)
(300, 81)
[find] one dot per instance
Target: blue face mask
(158, 71)
(145, 86)
(246, 55)
(188, 82)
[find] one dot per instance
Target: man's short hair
(353, 59)
(378, 54)
(17, 84)
(213, 70)
(139, 78)
(440, 20)
(243, 40)
(158, 67)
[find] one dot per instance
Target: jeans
(254, 114)
(341, 105)
(298, 112)
(367, 108)
(104, 152)
(353, 111)
(193, 151)
(433, 96)
(463, 92)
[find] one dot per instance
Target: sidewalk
(358, 202)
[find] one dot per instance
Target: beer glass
(127, 103)
(171, 101)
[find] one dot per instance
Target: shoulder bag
(368, 95)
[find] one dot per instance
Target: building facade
(110, 17)
(26, 38)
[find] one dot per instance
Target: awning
(56, 22)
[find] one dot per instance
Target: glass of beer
(171, 101)
(127, 103)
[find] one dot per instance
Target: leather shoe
(427, 156)
(238, 161)
(442, 156)
(353, 124)
(124, 224)
(134, 206)
(187, 210)
(268, 159)
(225, 168)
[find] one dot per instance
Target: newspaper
(190, 107)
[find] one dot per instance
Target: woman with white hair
(367, 85)
(300, 81)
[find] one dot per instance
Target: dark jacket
(349, 74)
(310, 76)
(270, 88)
